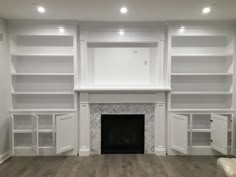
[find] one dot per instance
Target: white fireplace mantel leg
(84, 144)
(160, 124)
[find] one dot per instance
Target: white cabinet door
(65, 133)
(179, 133)
(35, 134)
(219, 133)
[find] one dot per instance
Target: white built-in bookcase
(42, 71)
(201, 99)
(43, 61)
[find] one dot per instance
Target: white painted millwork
(42, 66)
(179, 133)
(189, 78)
(133, 61)
(160, 130)
(65, 132)
(219, 133)
(35, 133)
(43, 75)
(123, 97)
(201, 133)
(201, 61)
(128, 69)
(5, 90)
(43, 134)
(84, 122)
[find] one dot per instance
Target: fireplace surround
(95, 103)
(97, 110)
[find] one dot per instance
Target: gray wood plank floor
(110, 166)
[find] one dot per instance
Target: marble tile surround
(95, 122)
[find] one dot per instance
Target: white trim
(84, 152)
(4, 156)
(160, 151)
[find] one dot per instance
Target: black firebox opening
(122, 134)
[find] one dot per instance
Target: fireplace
(122, 133)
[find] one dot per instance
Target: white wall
(4, 88)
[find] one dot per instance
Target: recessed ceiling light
(41, 9)
(121, 32)
(206, 10)
(182, 29)
(123, 10)
(61, 29)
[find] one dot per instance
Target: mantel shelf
(122, 89)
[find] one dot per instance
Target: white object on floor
(226, 167)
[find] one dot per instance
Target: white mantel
(150, 89)
(156, 96)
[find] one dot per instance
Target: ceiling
(108, 10)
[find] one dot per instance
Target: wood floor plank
(175, 168)
(128, 165)
(50, 167)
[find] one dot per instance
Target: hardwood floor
(110, 166)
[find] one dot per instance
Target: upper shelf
(42, 45)
(201, 41)
(43, 40)
(202, 46)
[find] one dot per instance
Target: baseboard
(4, 156)
(160, 151)
(84, 152)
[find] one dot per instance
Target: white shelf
(36, 83)
(41, 110)
(201, 110)
(201, 93)
(52, 34)
(54, 55)
(201, 55)
(46, 147)
(42, 93)
(200, 130)
(201, 74)
(45, 130)
(203, 130)
(23, 147)
(42, 74)
(201, 146)
(22, 131)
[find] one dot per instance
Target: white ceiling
(108, 10)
